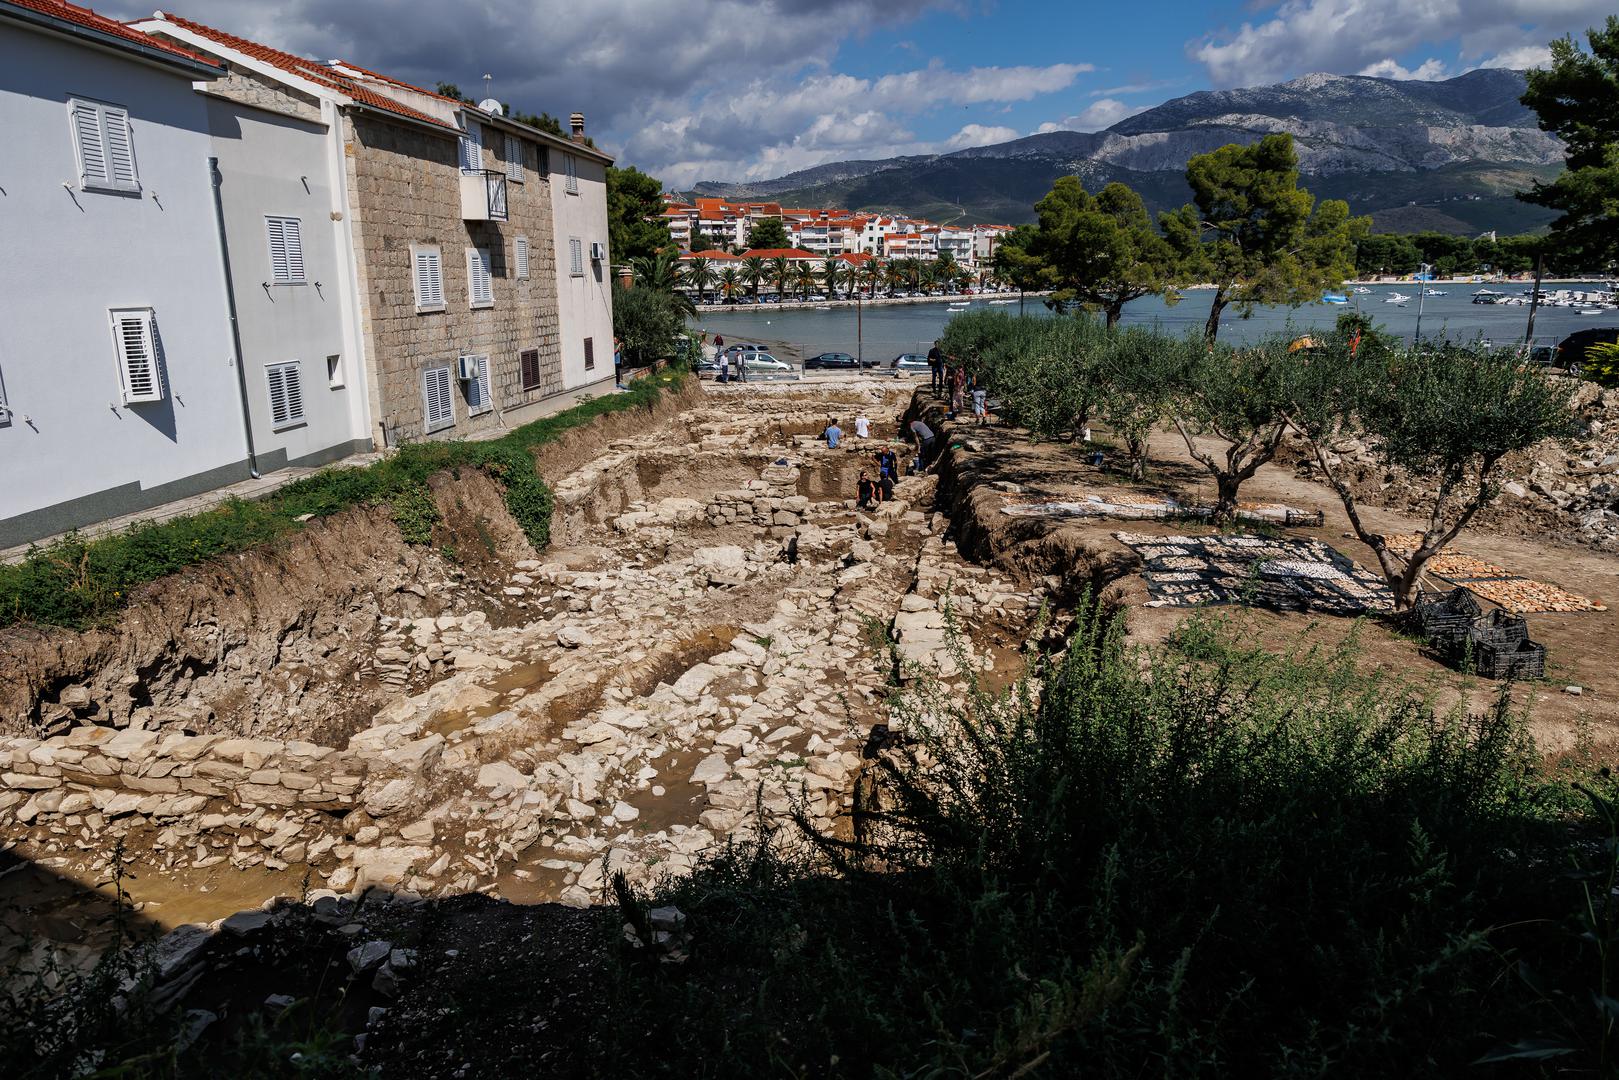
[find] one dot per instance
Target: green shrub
(76, 582)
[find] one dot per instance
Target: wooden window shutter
(429, 279)
(514, 159)
(136, 344)
(439, 405)
(286, 386)
(521, 244)
(590, 354)
(528, 362)
(286, 250)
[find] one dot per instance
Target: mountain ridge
(1392, 144)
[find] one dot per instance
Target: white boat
(1590, 311)
(1435, 292)
(1363, 290)
(1396, 298)
(959, 306)
(1003, 301)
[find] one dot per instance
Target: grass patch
(77, 583)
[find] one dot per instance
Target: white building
(584, 272)
(119, 383)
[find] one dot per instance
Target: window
(477, 390)
(545, 160)
(334, 371)
(286, 250)
(135, 340)
(576, 257)
(514, 159)
(472, 147)
(571, 163)
(590, 354)
(438, 407)
(429, 276)
(521, 246)
(480, 287)
(528, 362)
(286, 394)
(106, 152)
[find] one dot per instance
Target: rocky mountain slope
(1454, 150)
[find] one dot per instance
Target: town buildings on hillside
(261, 260)
(707, 225)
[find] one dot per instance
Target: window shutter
(472, 147)
(439, 405)
(514, 158)
(286, 385)
(576, 256)
(92, 148)
(479, 399)
(522, 258)
(528, 361)
(429, 280)
(286, 250)
(137, 356)
(480, 286)
(120, 151)
(590, 354)
(572, 164)
(5, 409)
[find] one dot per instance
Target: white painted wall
(585, 303)
(271, 164)
(70, 256)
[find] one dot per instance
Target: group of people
(872, 490)
(950, 375)
(724, 359)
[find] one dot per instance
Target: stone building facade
(405, 190)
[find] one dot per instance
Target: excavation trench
(712, 635)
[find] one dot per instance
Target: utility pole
(1534, 303)
(1422, 291)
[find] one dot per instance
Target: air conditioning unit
(467, 368)
(598, 251)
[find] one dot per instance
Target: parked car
(757, 360)
(835, 360)
(910, 363)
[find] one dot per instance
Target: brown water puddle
(525, 677)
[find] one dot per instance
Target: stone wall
(251, 88)
(404, 184)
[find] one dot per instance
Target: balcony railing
(483, 195)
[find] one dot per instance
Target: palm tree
(730, 282)
(872, 272)
(754, 272)
(945, 268)
(700, 275)
(806, 279)
(661, 272)
(894, 274)
(928, 275)
(780, 274)
(831, 271)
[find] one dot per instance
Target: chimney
(576, 123)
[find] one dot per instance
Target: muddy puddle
(505, 688)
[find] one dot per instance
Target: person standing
(862, 427)
(936, 368)
(924, 444)
(724, 368)
(887, 463)
(618, 362)
(742, 365)
(833, 435)
(958, 384)
(981, 404)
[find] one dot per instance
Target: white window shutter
(514, 158)
(576, 256)
(5, 409)
(479, 399)
(472, 147)
(439, 406)
(522, 258)
(572, 164)
(480, 285)
(120, 148)
(136, 346)
(92, 148)
(286, 386)
(429, 279)
(286, 250)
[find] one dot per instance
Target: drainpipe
(235, 325)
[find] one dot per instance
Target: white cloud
(1351, 35)
(1524, 56)
(1103, 113)
(1428, 71)
(979, 135)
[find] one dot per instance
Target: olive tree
(1135, 374)
(1237, 398)
(1444, 414)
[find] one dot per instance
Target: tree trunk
(1225, 506)
(1114, 311)
(1211, 329)
(1137, 449)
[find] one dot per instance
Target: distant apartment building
(477, 244)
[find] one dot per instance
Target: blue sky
(748, 89)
